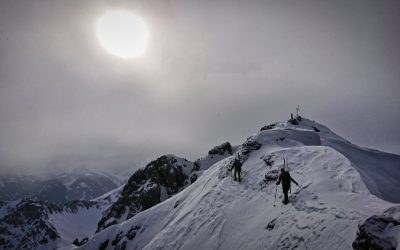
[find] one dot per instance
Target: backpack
(286, 179)
(237, 164)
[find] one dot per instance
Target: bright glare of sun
(122, 34)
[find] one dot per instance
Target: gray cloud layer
(213, 71)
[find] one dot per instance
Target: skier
(237, 166)
(286, 180)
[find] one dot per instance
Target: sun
(122, 34)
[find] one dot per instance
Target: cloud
(214, 71)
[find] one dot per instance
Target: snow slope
(77, 224)
(217, 213)
(81, 222)
(379, 170)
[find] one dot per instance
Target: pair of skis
(285, 164)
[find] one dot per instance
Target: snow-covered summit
(342, 186)
(379, 170)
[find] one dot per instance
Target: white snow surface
(218, 213)
(110, 197)
(380, 171)
(79, 225)
(83, 222)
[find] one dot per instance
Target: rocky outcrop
(316, 129)
(147, 187)
(74, 206)
(268, 127)
(26, 225)
(249, 146)
(377, 232)
(215, 154)
(294, 121)
(221, 149)
(78, 242)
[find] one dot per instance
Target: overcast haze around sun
(183, 76)
(122, 34)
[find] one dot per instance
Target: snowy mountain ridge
(340, 191)
(158, 181)
(173, 203)
(45, 225)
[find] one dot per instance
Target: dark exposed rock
(294, 121)
(77, 242)
(196, 166)
(104, 245)
(26, 224)
(176, 204)
(249, 146)
(73, 206)
(84, 240)
(315, 129)
(268, 127)
(121, 246)
(43, 241)
(375, 232)
(4, 243)
(214, 155)
(193, 177)
(271, 225)
(31, 219)
(221, 149)
(143, 189)
(117, 239)
(131, 234)
(271, 175)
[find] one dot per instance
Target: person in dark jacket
(286, 179)
(237, 166)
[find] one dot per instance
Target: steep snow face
(76, 224)
(216, 212)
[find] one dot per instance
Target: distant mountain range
(79, 184)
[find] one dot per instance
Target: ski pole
(276, 189)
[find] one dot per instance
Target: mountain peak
(174, 203)
(337, 180)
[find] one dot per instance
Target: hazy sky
(213, 71)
